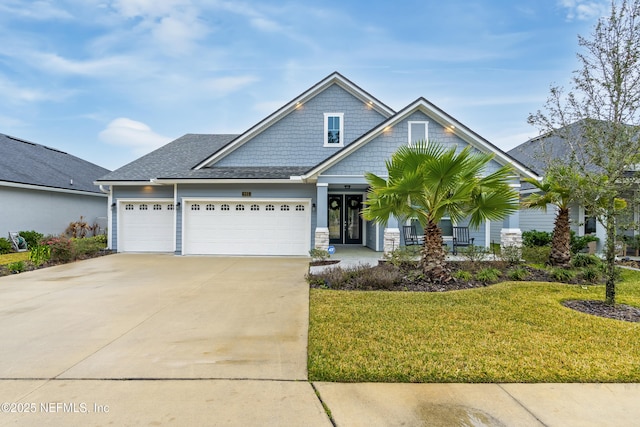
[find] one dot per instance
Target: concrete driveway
(179, 328)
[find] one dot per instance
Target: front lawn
(509, 332)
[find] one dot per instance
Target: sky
(111, 80)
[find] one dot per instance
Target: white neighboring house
(44, 189)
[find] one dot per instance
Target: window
(284, 207)
(446, 226)
(589, 224)
(333, 129)
(195, 207)
(255, 207)
(300, 207)
(170, 207)
(128, 207)
(270, 208)
(143, 207)
(224, 207)
(239, 207)
(157, 207)
(210, 207)
(418, 131)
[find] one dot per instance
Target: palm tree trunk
(433, 261)
(561, 241)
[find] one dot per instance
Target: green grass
(510, 332)
(13, 257)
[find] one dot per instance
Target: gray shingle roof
(174, 160)
(25, 162)
(262, 172)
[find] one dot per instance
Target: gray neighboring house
(44, 189)
(532, 153)
(292, 182)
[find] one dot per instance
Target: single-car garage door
(243, 227)
(146, 226)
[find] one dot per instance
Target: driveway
(179, 328)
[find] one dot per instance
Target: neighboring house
(535, 153)
(44, 189)
(292, 182)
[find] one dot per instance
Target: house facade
(292, 182)
(44, 189)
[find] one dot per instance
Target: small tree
(599, 121)
(426, 182)
(555, 189)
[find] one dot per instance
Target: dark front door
(345, 223)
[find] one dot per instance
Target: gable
(298, 138)
(372, 156)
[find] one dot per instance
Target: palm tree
(427, 182)
(554, 192)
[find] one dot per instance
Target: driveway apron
(192, 323)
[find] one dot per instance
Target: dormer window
(333, 129)
(418, 131)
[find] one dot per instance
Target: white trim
(322, 184)
(510, 230)
(340, 143)
(51, 189)
(426, 130)
(487, 234)
(225, 181)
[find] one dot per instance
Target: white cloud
(584, 10)
(225, 85)
(15, 93)
(37, 10)
(102, 66)
(133, 134)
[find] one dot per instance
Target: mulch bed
(412, 280)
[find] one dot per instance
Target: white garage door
(146, 226)
(247, 227)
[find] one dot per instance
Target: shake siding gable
(371, 156)
(297, 139)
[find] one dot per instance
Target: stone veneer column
(511, 235)
(322, 216)
(391, 235)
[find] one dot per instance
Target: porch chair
(461, 238)
(411, 236)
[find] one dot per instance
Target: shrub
(381, 277)
(61, 248)
(518, 274)
(578, 243)
(511, 254)
(318, 254)
(562, 275)
(16, 267)
(403, 255)
(463, 275)
(33, 238)
(592, 274)
(536, 238)
(5, 246)
(87, 246)
(584, 260)
(488, 275)
(474, 253)
(39, 254)
(536, 254)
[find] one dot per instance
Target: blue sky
(110, 80)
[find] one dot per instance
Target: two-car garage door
(227, 227)
(244, 227)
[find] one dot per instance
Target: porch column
(511, 235)
(391, 235)
(322, 216)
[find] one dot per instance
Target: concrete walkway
(165, 340)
